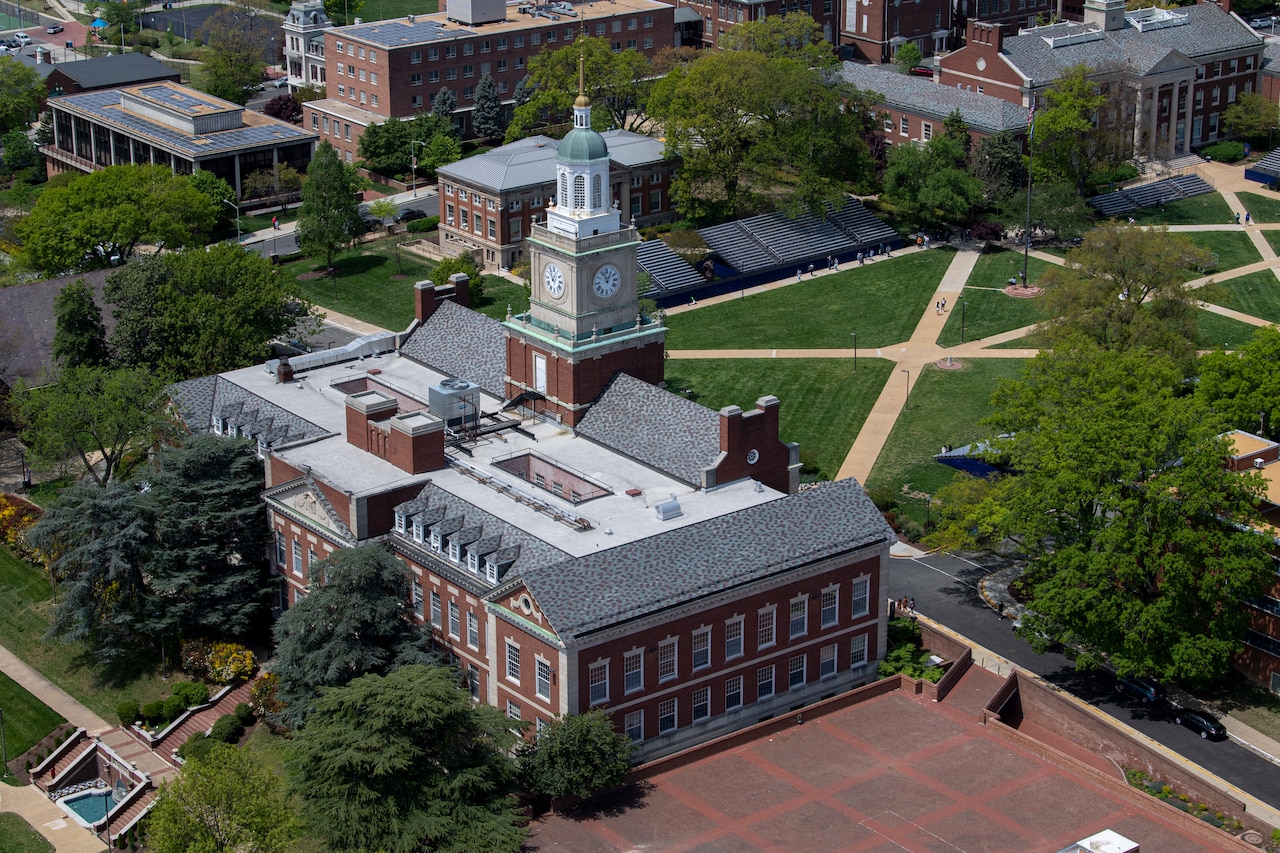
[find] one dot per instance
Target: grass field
(989, 310)
(1262, 208)
(1233, 248)
(824, 403)
(26, 719)
(1218, 332)
(24, 620)
(945, 408)
(882, 302)
(1209, 209)
(17, 836)
(1256, 294)
(270, 752)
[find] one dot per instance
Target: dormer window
(262, 447)
(417, 531)
(435, 541)
(399, 522)
(491, 571)
(455, 552)
(473, 562)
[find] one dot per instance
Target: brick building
(394, 68)
(711, 18)
(873, 32)
(1260, 659)
(576, 535)
(1172, 72)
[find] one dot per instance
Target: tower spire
(582, 101)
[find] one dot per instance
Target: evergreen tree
(330, 213)
(523, 91)
(444, 104)
(44, 133)
(79, 338)
(486, 117)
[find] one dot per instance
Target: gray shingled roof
(1271, 58)
(531, 162)
(655, 427)
(984, 113)
(1208, 31)
(691, 562)
(198, 399)
(463, 343)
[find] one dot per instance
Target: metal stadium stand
(668, 270)
(793, 240)
(1150, 195)
(739, 248)
(863, 226)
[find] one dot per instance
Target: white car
(1260, 23)
(22, 38)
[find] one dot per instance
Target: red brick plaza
(895, 773)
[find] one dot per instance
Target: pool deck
(51, 822)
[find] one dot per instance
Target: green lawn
(945, 408)
(24, 620)
(882, 302)
(369, 286)
(823, 401)
(1218, 332)
(17, 836)
(1261, 208)
(1209, 209)
(47, 492)
(1233, 248)
(1256, 294)
(989, 310)
(26, 719)
(270, 751)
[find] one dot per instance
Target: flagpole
(1026, 234)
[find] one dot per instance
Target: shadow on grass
(138, 662)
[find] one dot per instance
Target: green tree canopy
(795, 36)
(21, 89)
(406, 763)
(1251, 116)
(928, 185)
(281, 184)
(907, 56)
(79, 226)
(19, 151)
(1243, 387)
(79, 337)
(224, 801)
(330, 213)
(354, 621)
(1056, 208)
(218, 191)
(444, 103)
(1141, 544)
(195, 313)
(1124, 288)
(576, 756)
(237, 37)
(486, 115)
(1073, 135)
(997, 161)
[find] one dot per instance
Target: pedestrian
(835, 264)
(861, 258)
(275, 223)
(911, 605)
(1132, 220)
(944, 306)
(799, 275)
(830, 265)
(937, 307)
(919, 241)
(1237, 217)
(1000, 610)
(1248, 220)
(926, 241)
(811, 272)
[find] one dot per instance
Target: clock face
(607, 281)
(553, 280)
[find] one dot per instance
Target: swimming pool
(88, 808)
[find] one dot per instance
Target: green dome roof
(583, 146)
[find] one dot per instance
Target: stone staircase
(121, 823)
(48, 779)
(203, 720)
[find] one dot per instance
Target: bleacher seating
(1150, 195)
(738, 248)
(793, 240)
(862, 226)
(668, 270)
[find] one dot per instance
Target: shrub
(229, 662)
(1228, 151)
(986, 230)
(173, 707)
(244, 714)
(431, 223)
(153, 712)
(262, 695)
(191, 693)
(227, 729)
(16, 515)
(195, 657)
(128, 712)
(197, 746)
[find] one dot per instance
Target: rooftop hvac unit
(1257, 462)
(456, 402)
(668, 510)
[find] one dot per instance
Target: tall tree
(957, 128)
(997, 161)
(80, 225)
(223, 801)
(795, 36)
(1243, 387)
(96, 415)
(209, 562)
(238, 37)
(195, 313)
(444, 103)
(79, 337)
(1056, 208)
(19, 151)
(330, 213)
(385, 148)
(1251, 116)
(486, 116)
(217, 189)
(927, 185)
(576, 756)
(907, 56)
(1124, 288)
(21, 89)
(1141, 544)
(353, 622)
(1080, 129)
(405, 763)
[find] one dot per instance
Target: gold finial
(582, 100)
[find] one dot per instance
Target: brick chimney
(427, 296)
(284, 370)
(989, 36)
(750, 447)
(363, 410)
(411, 441)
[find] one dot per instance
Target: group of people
(906, 605)
(1248, 220)
(940, 306)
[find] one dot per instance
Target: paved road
(946, 589)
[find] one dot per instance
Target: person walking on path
(1248, 219)
(275, 223)
(1237, 217)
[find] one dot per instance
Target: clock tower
(584, 324)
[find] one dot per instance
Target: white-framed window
(861, 601)
(473, 631)
(926, 130)
(904, 127)
(888, 124)
(417, 596)
(667, 668)
(827, 661)
(417, 530)
(765, 634)
(541, 726)
(701, 704)
(513, 662)
(830, 606)
(473, 562)
(297, 558)
(542, 681)
(701, 648)
(473, 681)
(455, 620)
(799, 616)
(455, 551)
(598, 682)
(435, 608)
(667, 716)
(399, 522)
(435, 540)
(733, 638)
(796, 671)
(633, 726)
(282, 556)
(858, 653)
(513, 710)
(764, 682)
(633, 671)
(733, 693)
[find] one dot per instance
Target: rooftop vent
(668, 510)
(1257, 462)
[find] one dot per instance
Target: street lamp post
(4, 749)
(964, 303)
(237, 209)
(413, 162)
(855, 351)
(907, 403)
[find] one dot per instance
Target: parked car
(11, 43)
(409, 214)
(53, 28)
(1143, 688)
(280, 82)
(920, 71)
(22, 38)
(1261, 23)
(1209, 726)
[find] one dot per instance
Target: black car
(1143, 688)
(1209, 726)
(409, 214)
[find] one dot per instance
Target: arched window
(597, 192)
(579, 192)
(564, 188)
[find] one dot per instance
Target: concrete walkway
(50, 694)
(35, 808)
